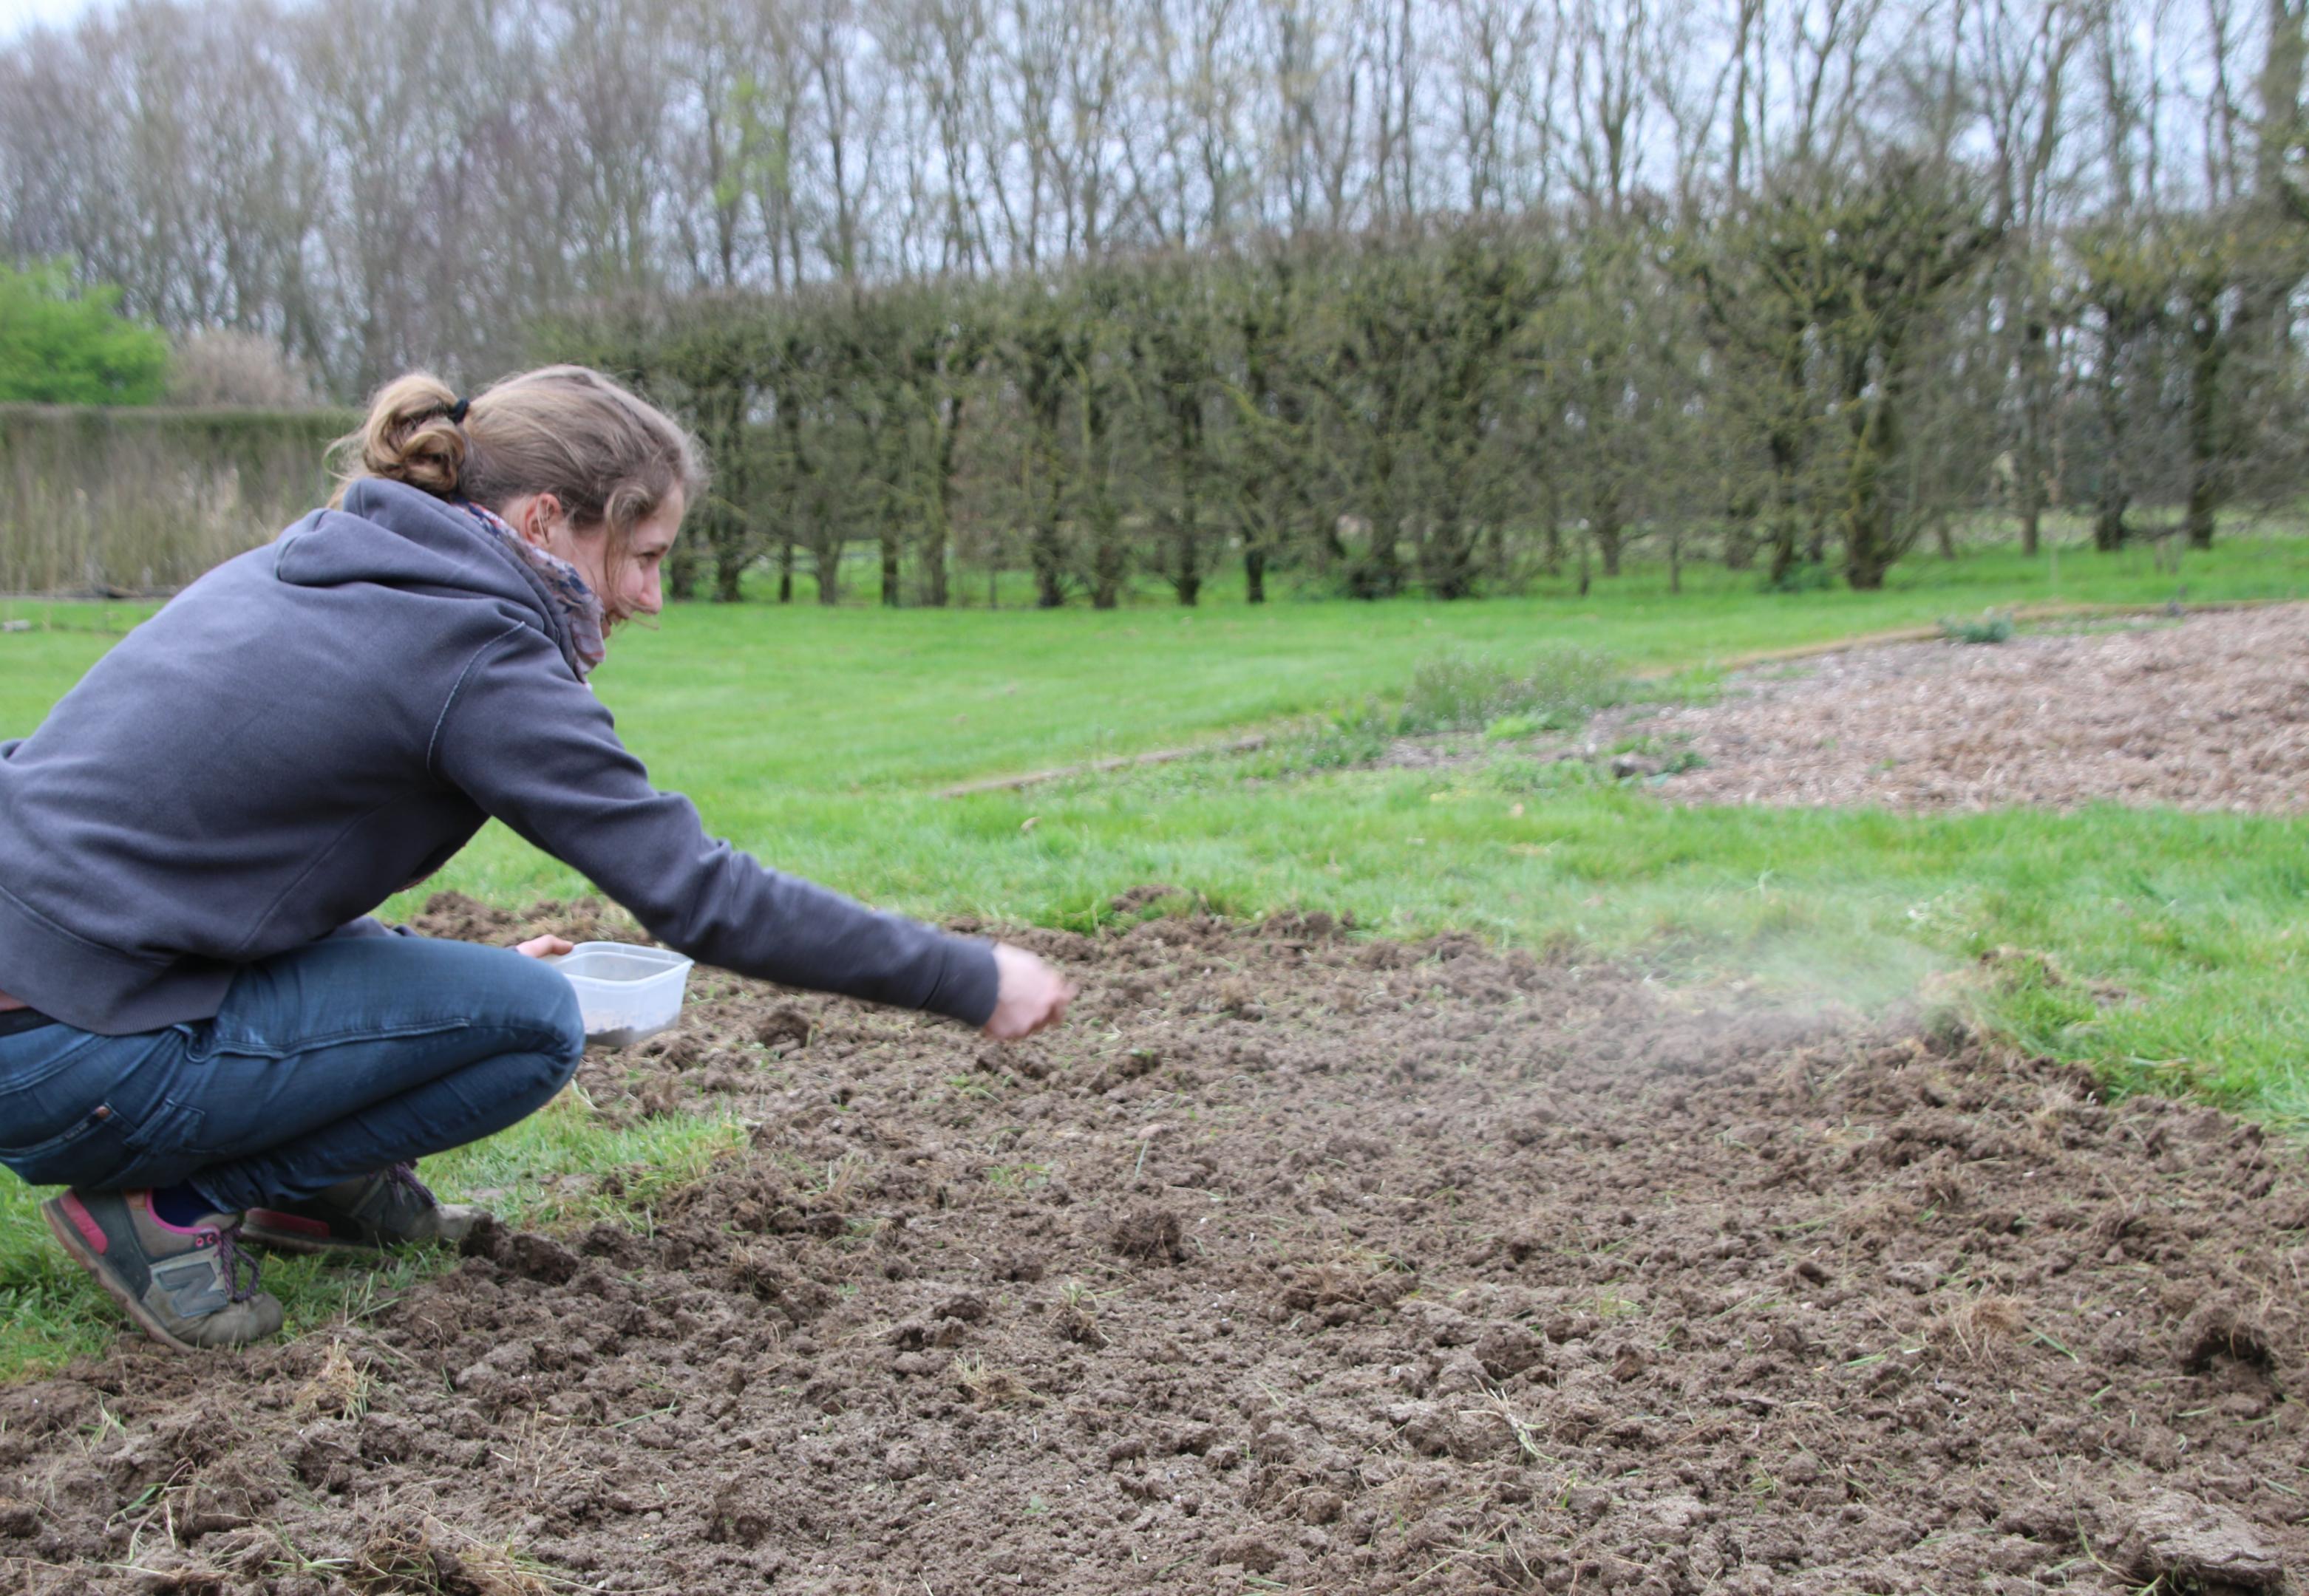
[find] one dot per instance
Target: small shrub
(61, 343)
(1353, 737)
(1455, 693)
(1991, 627)
(225, 366)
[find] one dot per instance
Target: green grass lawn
(2172, 945)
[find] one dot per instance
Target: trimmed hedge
(134, 500)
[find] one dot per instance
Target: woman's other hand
(1032, 995)
(545, 947)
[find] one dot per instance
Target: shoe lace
(229, 1254)
(405, 1176)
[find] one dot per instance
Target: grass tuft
(1992, 626)
(1561, 687)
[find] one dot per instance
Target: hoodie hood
(392, 535)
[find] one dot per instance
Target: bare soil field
(2207, 712)
(1293, 1262)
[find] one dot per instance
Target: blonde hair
(611, 458)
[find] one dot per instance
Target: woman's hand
(1031, 996)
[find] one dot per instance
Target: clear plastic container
(625, 991)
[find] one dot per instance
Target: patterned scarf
(579, 606)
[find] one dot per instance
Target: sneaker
(180, 1283)
(363, 1217)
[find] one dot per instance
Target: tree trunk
(1106, 551)
(890, 597)
(2202, 502)
(936, 541)
(937, 537)
(1608, 530)
(1739, 545)
(1380, 571)
(1784, 546)
(1049, 564)
(1447, 554)
(681, 570)
(1254, 575)
(1551, 516)
(1108, 560)
(1784, 498)
(785, 571)
(1449, 571)
(1046, 552)
(2206, 350)
(1189, 577)
(729, 570)
(1870, 548)
(1607, 545)
(2028, 458)
(2109, 530)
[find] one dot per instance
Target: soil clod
(787, 1027)
(2219, 1329)
(2183, 1544)
(1149, 1234)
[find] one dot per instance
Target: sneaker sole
(286, 1233)
(69, 1237)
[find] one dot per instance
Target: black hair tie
(456, 412)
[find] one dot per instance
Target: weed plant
(1563, 685)
(1991, 627)
(1453, 690)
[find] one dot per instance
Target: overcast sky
(16, 15)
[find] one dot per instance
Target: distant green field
(818, 739)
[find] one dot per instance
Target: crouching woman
(202, 1034)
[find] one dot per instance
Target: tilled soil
(1292, 1262)
(2209, 713)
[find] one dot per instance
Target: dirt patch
(1292, 1262)
(2209, 713)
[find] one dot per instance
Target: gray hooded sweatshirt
(315, 724)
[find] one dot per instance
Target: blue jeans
(327, 1061)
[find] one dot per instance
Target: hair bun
(410, 436)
